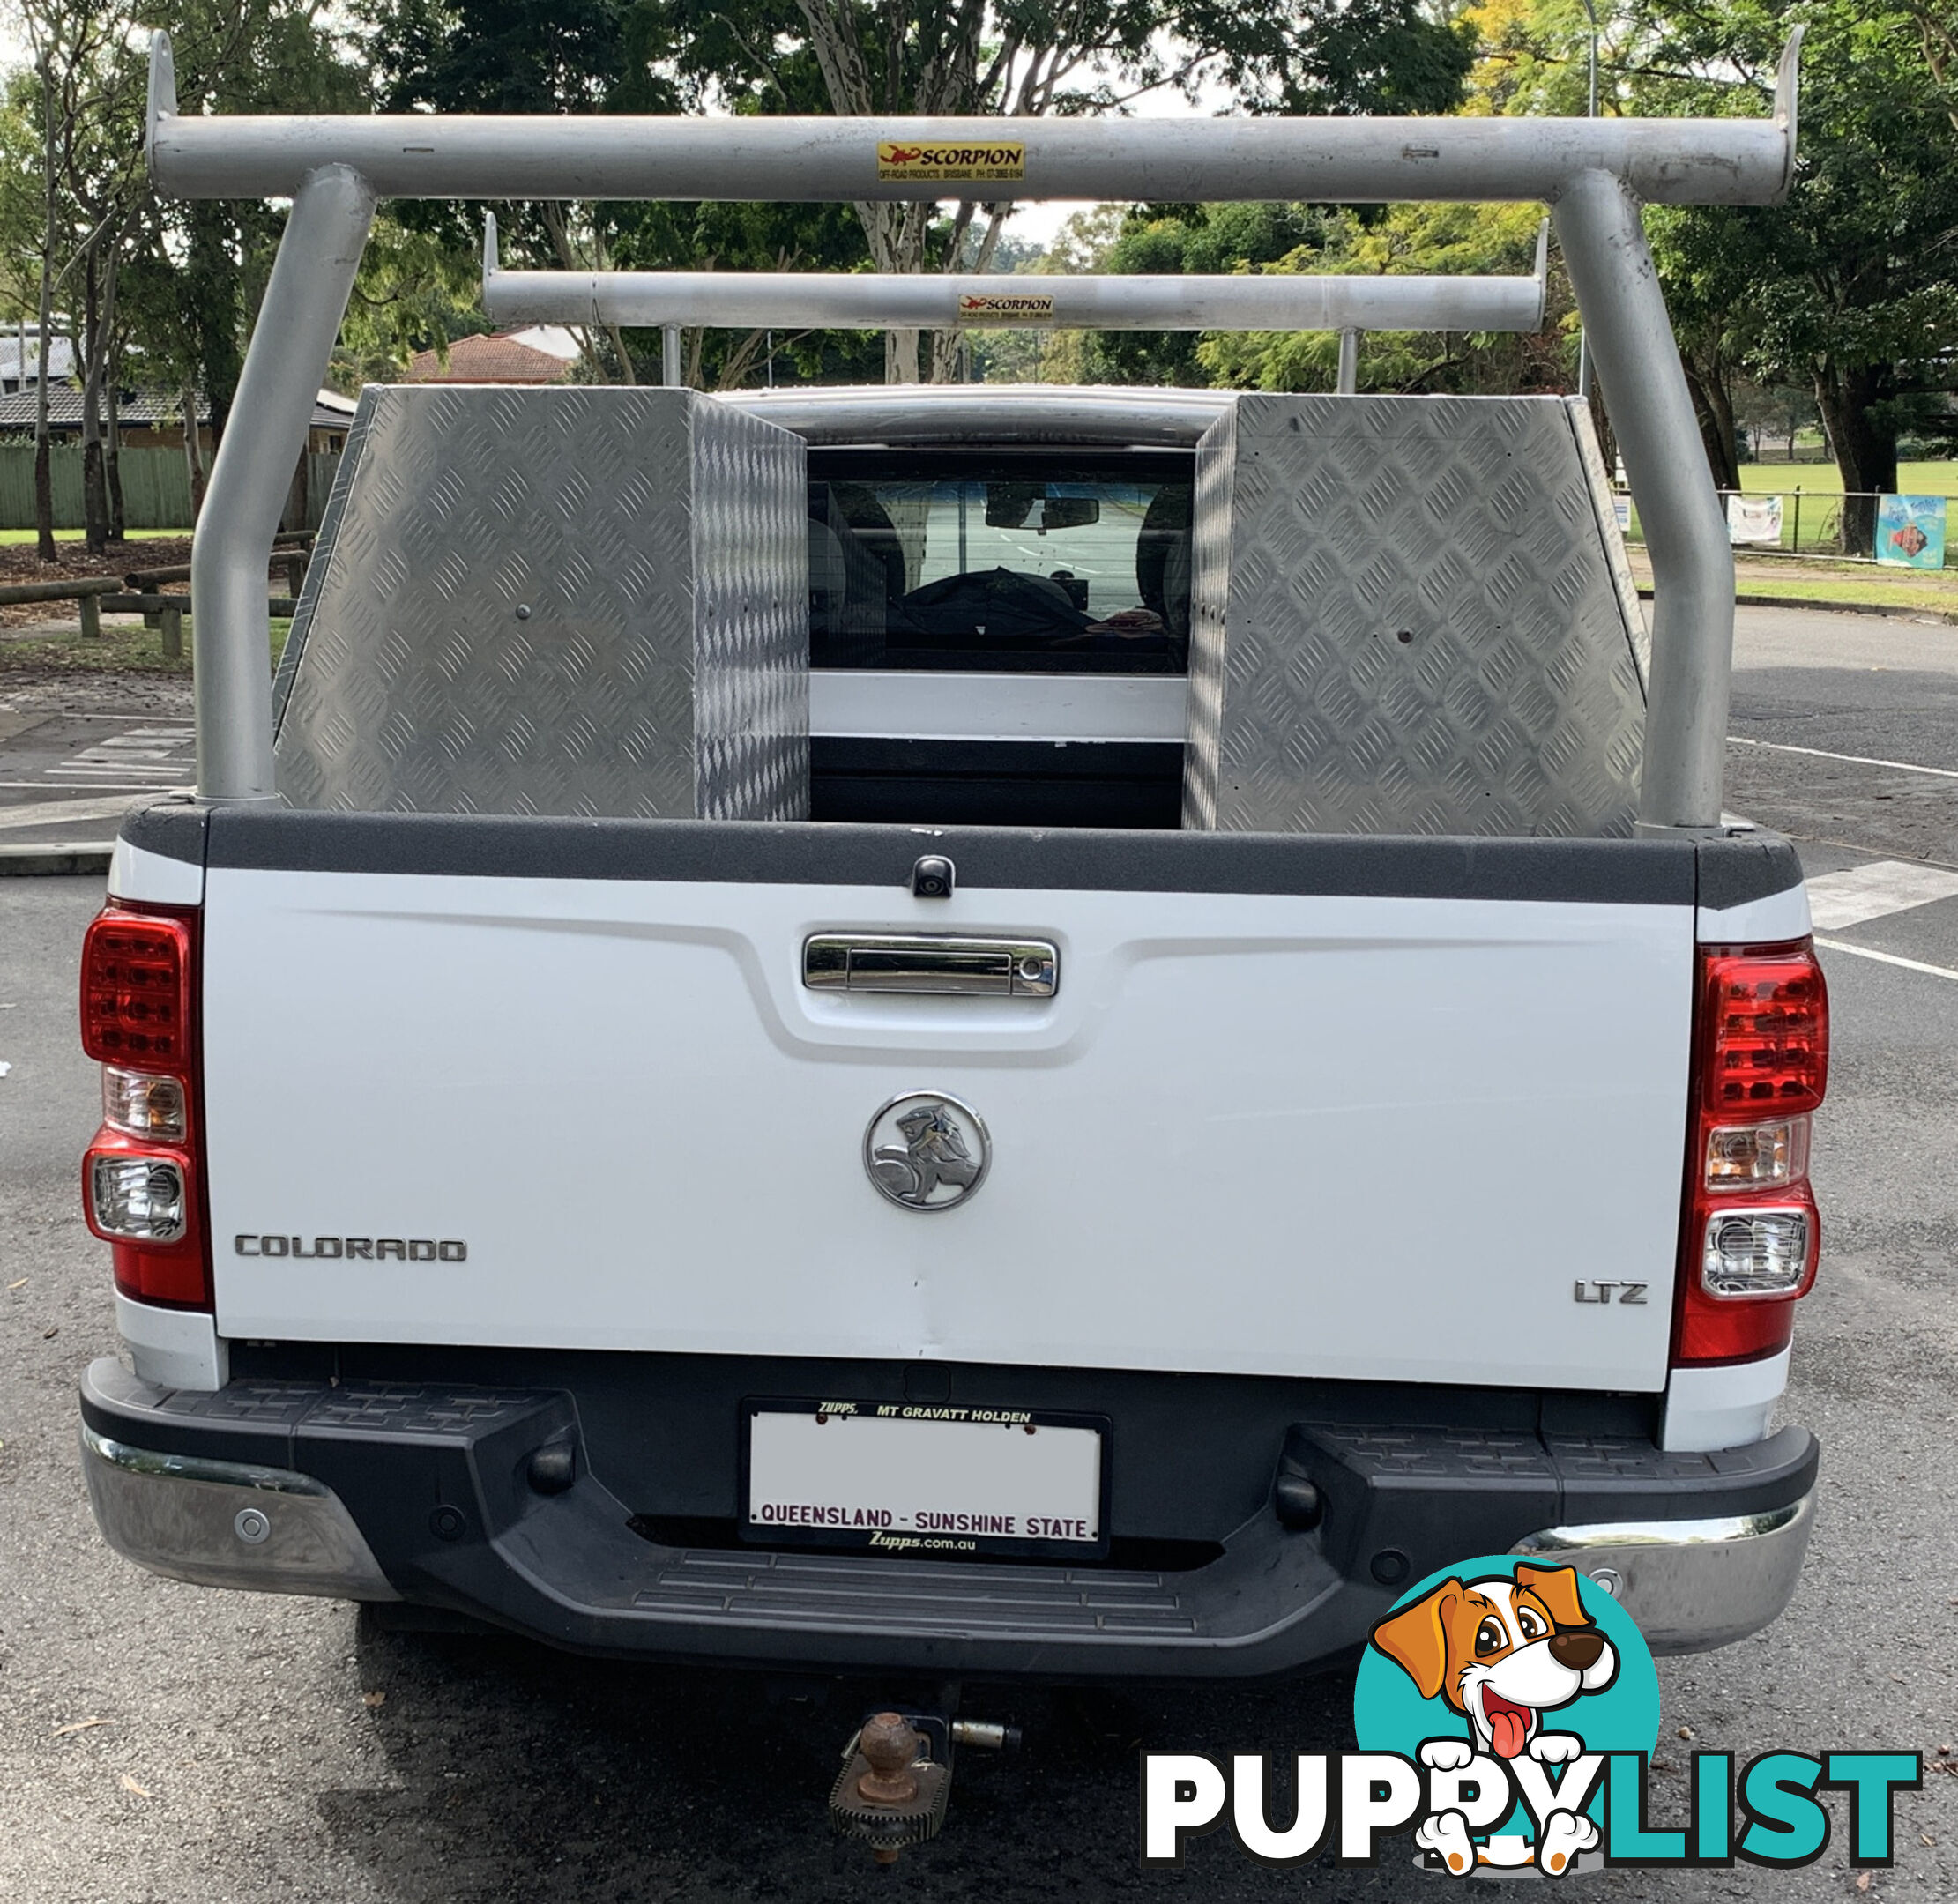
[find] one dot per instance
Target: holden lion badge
(926, 1151)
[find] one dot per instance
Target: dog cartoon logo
(1505, 1680)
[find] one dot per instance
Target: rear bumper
(375, 1491)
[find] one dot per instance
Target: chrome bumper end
(1691, 1585)
(228, 1524)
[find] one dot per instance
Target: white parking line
(1886, 958)
(1868, 892)
(48, 813)
(134, 786)
(1855, 760)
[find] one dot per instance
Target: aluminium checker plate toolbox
(567, 601)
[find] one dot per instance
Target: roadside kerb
(1892, 610)
(55, 857)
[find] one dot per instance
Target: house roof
(136, 410)
(61, 356)
(487, 360)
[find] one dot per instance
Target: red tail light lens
(135, 990)
(1753, 1234)
(143, 1179)
(1765, 1033)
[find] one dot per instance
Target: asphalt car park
(161, 1743)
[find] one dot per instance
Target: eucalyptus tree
(1849, 289)
(1020, 59)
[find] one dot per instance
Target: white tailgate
(1351, 1137)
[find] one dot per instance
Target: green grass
(18, 536)
(120, 649)
(1824, 478)
(1854, 594)
(1820, 520)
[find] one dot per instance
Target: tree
(1848, 290)
(170, 286)
(1439, 240)
(507, 55)
(76, 82)
(1199, 240)
(859, 57)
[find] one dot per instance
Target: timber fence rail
(89, 591)
(291, 553)
(142, 592)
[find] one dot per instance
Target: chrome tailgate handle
(927, 963)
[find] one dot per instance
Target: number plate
(913, 1478)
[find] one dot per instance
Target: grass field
(1824, 478)
(1819, 521)
(17, 536)
(122, 648)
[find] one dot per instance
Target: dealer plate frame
(903, 1543)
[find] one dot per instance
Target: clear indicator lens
(1757, 1157)
(1755, 1252)
(144, 1104)
(138, 1197)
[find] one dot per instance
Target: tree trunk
(88, 345)
(1713, 409)
(44, 481)
(950, 355)
(299, 502)
(112, 462)
(1865, 450)
(897, 234)
(901, 356)
(212, 276)
(193, 452)
(559, 232)
(1607, 437)
(112, 361)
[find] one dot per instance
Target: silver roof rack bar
(811, 301)
(1330, 161)
(1593, 174)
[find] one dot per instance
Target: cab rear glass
(1020, 562)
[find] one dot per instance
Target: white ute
(966, 1031)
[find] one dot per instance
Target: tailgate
(1353, 1108)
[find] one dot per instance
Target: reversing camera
(932, 877)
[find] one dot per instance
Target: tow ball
(897, 1776)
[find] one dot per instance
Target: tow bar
(897, 1776)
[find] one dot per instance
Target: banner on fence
(1754, 518)
(1910, 530)
(1622, 506)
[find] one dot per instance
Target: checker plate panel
(1409, 615)
(655, 538)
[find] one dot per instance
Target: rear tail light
(142, 1180)
(1756, 1156)
(1753, 1235)
(141, 1198)
(144, 1104)
(1765, 1034)
(1757, 1252)
(136, 989)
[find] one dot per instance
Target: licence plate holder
(924, 1480)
